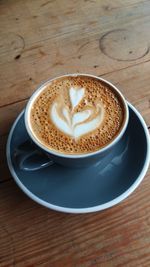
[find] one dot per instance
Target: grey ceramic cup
(34, 158)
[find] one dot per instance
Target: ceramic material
(82, 160)
(91, 189)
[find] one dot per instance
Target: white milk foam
(71, 122)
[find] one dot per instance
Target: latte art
(76, 115)
(74, 123)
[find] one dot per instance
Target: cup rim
(41, 87)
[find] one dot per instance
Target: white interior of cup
(41, 145)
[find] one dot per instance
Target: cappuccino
(77, 115)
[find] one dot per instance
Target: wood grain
(42, 39)
(45, 41)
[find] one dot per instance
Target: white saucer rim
(101, 207)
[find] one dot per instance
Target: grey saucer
(89, 189)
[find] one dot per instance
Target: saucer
(89, 189)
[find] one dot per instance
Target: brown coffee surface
(95, 92)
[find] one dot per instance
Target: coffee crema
(77, 115)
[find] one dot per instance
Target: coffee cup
(74, 120)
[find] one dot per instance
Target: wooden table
(40, 39)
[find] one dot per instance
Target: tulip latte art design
(75, 123)
(76, 115)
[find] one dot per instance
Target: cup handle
(30, 158)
